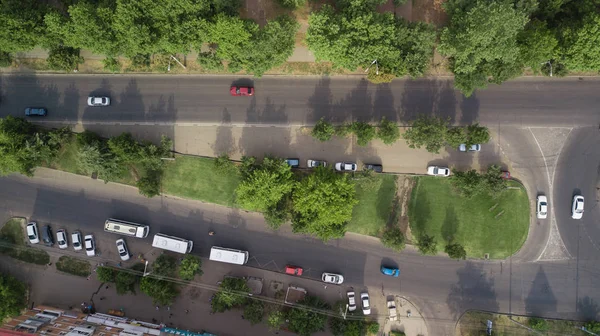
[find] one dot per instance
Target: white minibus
(228, 255)
(171, 243)
(126, 228)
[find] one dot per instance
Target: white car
(366, 305)
(316, 163)
(577, 210)
(98, 101)
(32, 233)
(123, 251)
(76, 240)
(438, 171)
(351, 300)
(472, 148)
(345, 166)
(90, 245)
(332, 278)
(61, 239)
(541, 208)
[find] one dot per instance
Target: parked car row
(88, 243)
(339, 166)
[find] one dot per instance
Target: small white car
(98, 101)
(90, 245)
(345, 166)
(76, 240)
(366, 305)
(61, 239)
(32, 233)
(332, 278)
(472, 148)
(122, 249)
(577, 210)
(541, 208)
(438, 171)
(351, 300)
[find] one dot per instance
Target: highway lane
(444, 288)
(299, 100)
(578, 171)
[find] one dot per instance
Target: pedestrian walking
(187, 311)
(157, 307)
(168, 308)
(170, 315)
(106, 287)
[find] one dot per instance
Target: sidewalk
(53, 288)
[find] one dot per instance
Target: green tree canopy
(427, 131)
(161, 291)
(456, 251)
(537, 44)
(323, 203)
(22, 23)
(305, 322)
(581, 45)
(427, 244)
(481, 41)
(477, 135)
(393, 238)
(468, 183)
(189, 267)
(12, 296)
(388, 131)
(323, 130)
(254, 311)
(232, 293)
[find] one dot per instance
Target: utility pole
(550, 64)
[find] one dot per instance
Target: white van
(228, 255)
(126, 228)
(170, 243)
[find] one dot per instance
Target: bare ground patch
(399, 215)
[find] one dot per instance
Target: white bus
(228, 255)
(171, 243)
(126, 228)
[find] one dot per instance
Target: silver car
(90, 245)
(61, 239)
(76, 240)
(541, 208)
(351, 300)
(332, 278)
(577, 209)
(33, 233)
(438, 171)
(472, 148)
(316, 163)
(345, 166)
(98, 101)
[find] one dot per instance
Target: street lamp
(376, 67)
(550, 64)
(145, 267)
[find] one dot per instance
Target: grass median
(482, 224)
(372, 213)
(73, 266)
(473, 323)
(12, 243)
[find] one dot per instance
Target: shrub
(323, 130)
(393, 238)
(456, 251)
(73, 266)
(373, 328)
(64, 58)
(427, 244)
(380, 78)
(189, 267)
(149, 184)
(538, 323)
(343, 130)
(111, 64)
(223, 165)
(291, 4)
(210, 61)
(5, 59)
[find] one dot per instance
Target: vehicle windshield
(76, 244)
(31, 237)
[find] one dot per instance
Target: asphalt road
(443, 288)
(578, 172)
(205, 100)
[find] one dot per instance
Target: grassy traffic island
(12, 243)
(482, 224)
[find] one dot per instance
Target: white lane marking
(544, 157)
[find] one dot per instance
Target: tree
(275, 320)
(305, 322)
(291, 4)
(427, 131)
(22, 24)
(581, 46)
(467, 183)
(341, 327)
(22, 148)
(323, 130)
(493, 182)
(266, 185)
(364, 132)
(538, 323)
(323, 203)
(481, 41)
(125, 282)
(189, 267)
(125, 147)
(12, 296)
(593, 326)
(223, 164)
(233, 292)
(373, 328)
(106, 274)
(456, 136)
(6, 59)
(393, 238)
(537, 44)
(456, 251)
(149, 184)
(477, 135)
(388, 131)
(354, 34)
(164, 265)
(427, 244)
(161, 291)
(254, 311)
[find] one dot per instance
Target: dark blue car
(390, 271)
(35, 111)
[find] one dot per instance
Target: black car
(47, 236)
(36, 111)
(374, 167)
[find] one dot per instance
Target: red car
(241, 91)
(293, 270)
(506, 175)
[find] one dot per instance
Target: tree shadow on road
(541, 300)
(429, 97)
(474, 290)
(469, 109)
(224, 140)
(587, 308)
